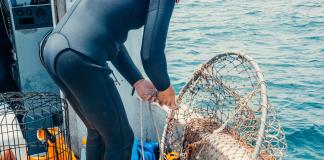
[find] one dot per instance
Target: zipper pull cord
(116, 80)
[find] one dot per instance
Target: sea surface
(285, 37)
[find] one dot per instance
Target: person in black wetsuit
(75, 54)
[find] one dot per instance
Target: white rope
(142, 128)
(153, 120)
(155, 125)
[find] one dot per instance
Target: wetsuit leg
(89, 85)
(95, 145)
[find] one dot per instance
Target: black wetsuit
(75, 55)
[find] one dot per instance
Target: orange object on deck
(173, 156)
(56, 149)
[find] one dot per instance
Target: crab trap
(224, 113)
(34, 126)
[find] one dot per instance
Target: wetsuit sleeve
(154, 37)
(124, 64)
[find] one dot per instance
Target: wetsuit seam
(74, 51)
(85, 56)
(153, 37)
(69, 16)
(65, 37)
(54, 61)
(59, 53)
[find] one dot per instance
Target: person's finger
(151, 95)
(169, 102)
(165, 102)
(155, 101)
(149, 98)
(174, 102)
(170, 105)
(174, 106)
(146, 98)
(152, 99)
(141, 96)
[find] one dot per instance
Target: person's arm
(126, 67)
(153, 45)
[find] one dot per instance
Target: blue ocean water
(286, 38)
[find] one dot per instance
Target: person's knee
(128, 138)
(122, 151)
(93, 137)
(95, 146)
(120, 154)
(119, 141)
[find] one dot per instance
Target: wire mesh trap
(34, 126)
(224, 113)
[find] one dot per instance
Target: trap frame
(224, 113)
(34, 126)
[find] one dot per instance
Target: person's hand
(167, 97)
(145, 89)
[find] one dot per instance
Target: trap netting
(34, 126)
(223, 113)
